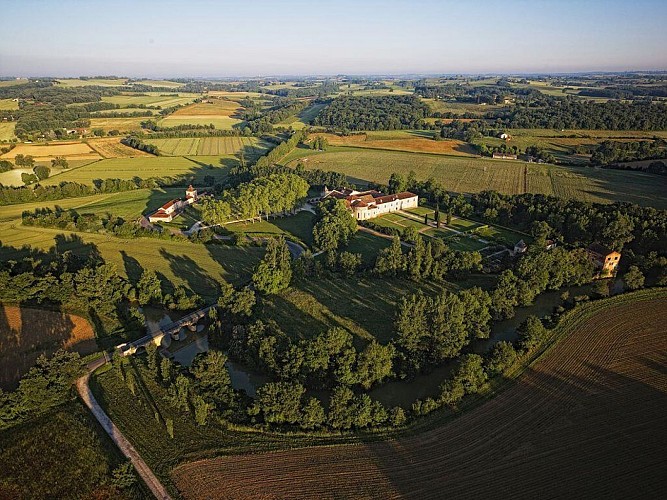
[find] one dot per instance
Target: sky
(207, 38)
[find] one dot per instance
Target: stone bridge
(173, 329)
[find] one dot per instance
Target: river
(393, 393)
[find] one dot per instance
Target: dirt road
(128, 450)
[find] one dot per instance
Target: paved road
(128, 450)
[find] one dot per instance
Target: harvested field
(414, 144)
(8, 104)
(220, 112)
(7, 131)
(74, 150)
(144, 167)
(132, 124)
(210, 146)
(25, 333)
(112, 148)
(586, 420)
(150, 99)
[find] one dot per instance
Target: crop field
(584, 420)
(102, 82)
(110, 147)
(144, 167)
(221, 113)
(471, 175)
(61, 454)
(8, 105)
(7, 131)
(211, 146)
(414, 142)
(10, 83)
(71, 150)
(25, 333)
(303, 119)
(151, 99)
(131, 124)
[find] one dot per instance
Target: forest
(374, 113)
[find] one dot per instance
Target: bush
(503, 356)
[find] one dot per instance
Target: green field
(130, 124)
(200, 268)
(150, 99)
(471, 175)
(219, 122)
(7, 131)
(303, 119)
(61, 454)
(368, 245)
(102, 82)
(299, 226)
(211, 146)
(144, 167)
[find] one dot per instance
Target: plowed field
(586, 420)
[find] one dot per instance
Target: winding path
(128, 450)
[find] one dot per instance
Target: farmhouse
(369, 204)
(605, 260)
(173, 208)
(520, 247)
(504, 156)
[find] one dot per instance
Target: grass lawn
(368, 245)
(454, 241)
(365, 306)
(501, 235)
(472, 175)
(299, 226)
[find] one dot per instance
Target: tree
(131, 382)
(166, 370)
(28, 179)
(634, 278)
(274, 272)
(390, 260)
(396, 183)
(531, 333)
(349, 262)
(279, 402)
(152, 358)
(202, 410)
(471, 373)
(179, 392)
(601, 288)
(25, 161)
(503, 355)
(451, 392)
(334, 226)
(312, 414)
(410, 234)
(42, 172)
(215, 211)
(123, 476)
(374, 364)
(169, 423)
(397, 416)
(212, 380)
(149, 287)
(59, 162)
